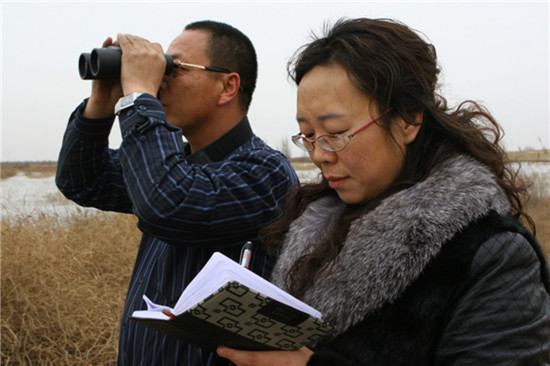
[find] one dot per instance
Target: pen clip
(246, 254)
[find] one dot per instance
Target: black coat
(436, 274)
(451, 315)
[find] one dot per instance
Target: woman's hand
(266, 358)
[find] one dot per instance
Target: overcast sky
(493, 52)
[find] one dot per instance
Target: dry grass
(300, 165)
(31, 169)
(45, 169)
(64, 282)
(540, 213)
(538, 207)
(530, 155)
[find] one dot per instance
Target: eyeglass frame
(346, 138)
(182, 66)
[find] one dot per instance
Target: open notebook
(231, 305)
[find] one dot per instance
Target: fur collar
(387, 248)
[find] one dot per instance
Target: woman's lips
(336, 182)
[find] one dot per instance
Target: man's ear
(410, 130)
(230, 87)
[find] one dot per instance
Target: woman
(411, 245)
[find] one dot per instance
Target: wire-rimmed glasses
(331, 142)
(184, 66)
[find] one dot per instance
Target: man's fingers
(108, 42)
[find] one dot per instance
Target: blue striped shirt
(188, 206)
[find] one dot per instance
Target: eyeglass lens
(328, 142)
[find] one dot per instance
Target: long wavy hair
(396, 68)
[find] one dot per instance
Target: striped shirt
(188, 206)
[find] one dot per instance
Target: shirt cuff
(89, 128)
(146, 112)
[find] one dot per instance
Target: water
(24, 196)
(29, 196)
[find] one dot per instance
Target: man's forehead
(189, 44)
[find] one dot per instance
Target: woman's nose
(319, 155)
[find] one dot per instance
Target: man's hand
(143, 65)
(266, 358)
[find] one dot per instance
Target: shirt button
(130, 112)
(142, 108)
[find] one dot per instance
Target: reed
(31, 169)
(64, 281)
(538, 207)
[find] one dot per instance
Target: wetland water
(23, 195)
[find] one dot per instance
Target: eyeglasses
(331, 142)
(184, 66)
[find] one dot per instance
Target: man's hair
(230, 49)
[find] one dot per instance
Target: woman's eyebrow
(323, 117)
(328, 116)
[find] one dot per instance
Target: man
(211, 193)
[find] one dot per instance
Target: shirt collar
(223, 146)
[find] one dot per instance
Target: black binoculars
(104, 63)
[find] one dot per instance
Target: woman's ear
(410, 130)
(230, 87)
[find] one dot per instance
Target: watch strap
(125, 102)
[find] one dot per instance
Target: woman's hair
(395, 68)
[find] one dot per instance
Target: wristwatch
(126, 101)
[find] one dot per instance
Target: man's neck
(219, 149)
(210, 132)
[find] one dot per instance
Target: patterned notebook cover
(249, 314)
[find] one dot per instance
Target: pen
(168, 313)
(246, 253)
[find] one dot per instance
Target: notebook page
(218, 271)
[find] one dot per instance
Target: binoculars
(104, 63)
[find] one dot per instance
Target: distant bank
(47, 168)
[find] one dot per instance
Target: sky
(493, 52)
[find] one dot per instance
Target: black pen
(246, 254)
